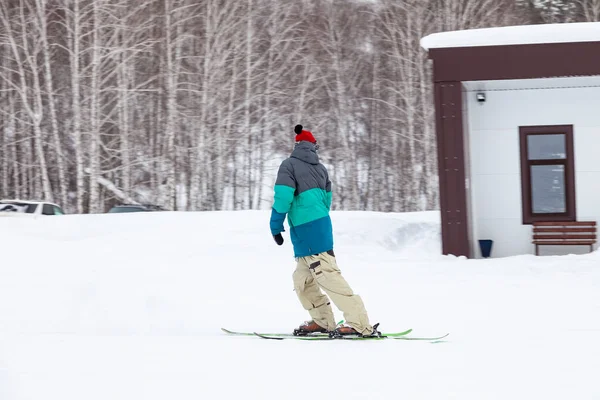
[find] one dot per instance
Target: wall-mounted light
(480, 97)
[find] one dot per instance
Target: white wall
(494, 172)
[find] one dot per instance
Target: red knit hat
(304, 135)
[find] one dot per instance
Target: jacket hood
(306, 152)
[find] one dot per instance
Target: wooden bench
(580, 233)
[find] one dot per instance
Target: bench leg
(537, 252)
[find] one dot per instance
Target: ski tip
(440, 339)
(430, 339)
(226, 331)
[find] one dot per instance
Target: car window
(11, 207)
(48, 209)
(58, 211)
(18, 207)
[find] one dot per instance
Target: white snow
(130, 306)
(514, 35)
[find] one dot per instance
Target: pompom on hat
(304, 135)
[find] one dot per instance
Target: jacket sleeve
(285, 187)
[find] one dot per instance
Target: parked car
(128, 208)
(30, 207)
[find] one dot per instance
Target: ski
(311, 336)
(348, 337)
(325, 336)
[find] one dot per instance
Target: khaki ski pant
(320, 271)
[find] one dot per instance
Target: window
(547, 173)
(18, 206)
(47, 210)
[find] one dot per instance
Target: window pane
(546, 147)
(48, 210)
(548, 189)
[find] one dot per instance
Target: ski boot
(309, 327)
(346, 330)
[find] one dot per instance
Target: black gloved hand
(278, 239)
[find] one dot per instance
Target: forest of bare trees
(191, 104)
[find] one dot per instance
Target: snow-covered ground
(130, 306)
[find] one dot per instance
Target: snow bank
(130, 306)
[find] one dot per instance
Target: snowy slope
(129, 306)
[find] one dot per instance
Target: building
(518, 132)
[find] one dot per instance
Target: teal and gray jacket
(303, 193)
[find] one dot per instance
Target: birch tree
(41, 12)
(588, 10)
(73, 28)
(25, 50)
(172, 47)
(191, 103)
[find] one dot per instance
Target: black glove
(278, 239)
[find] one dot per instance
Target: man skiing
(303, 193)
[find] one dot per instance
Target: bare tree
(469, 14)
(25, 50)
(173, 45)
(549, 11)
(188, 103)
(41, 13)
(74, 32)
(588, 10)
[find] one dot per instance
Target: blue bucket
(485, 245)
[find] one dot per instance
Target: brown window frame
(569, 164)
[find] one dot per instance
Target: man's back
(303, 191)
